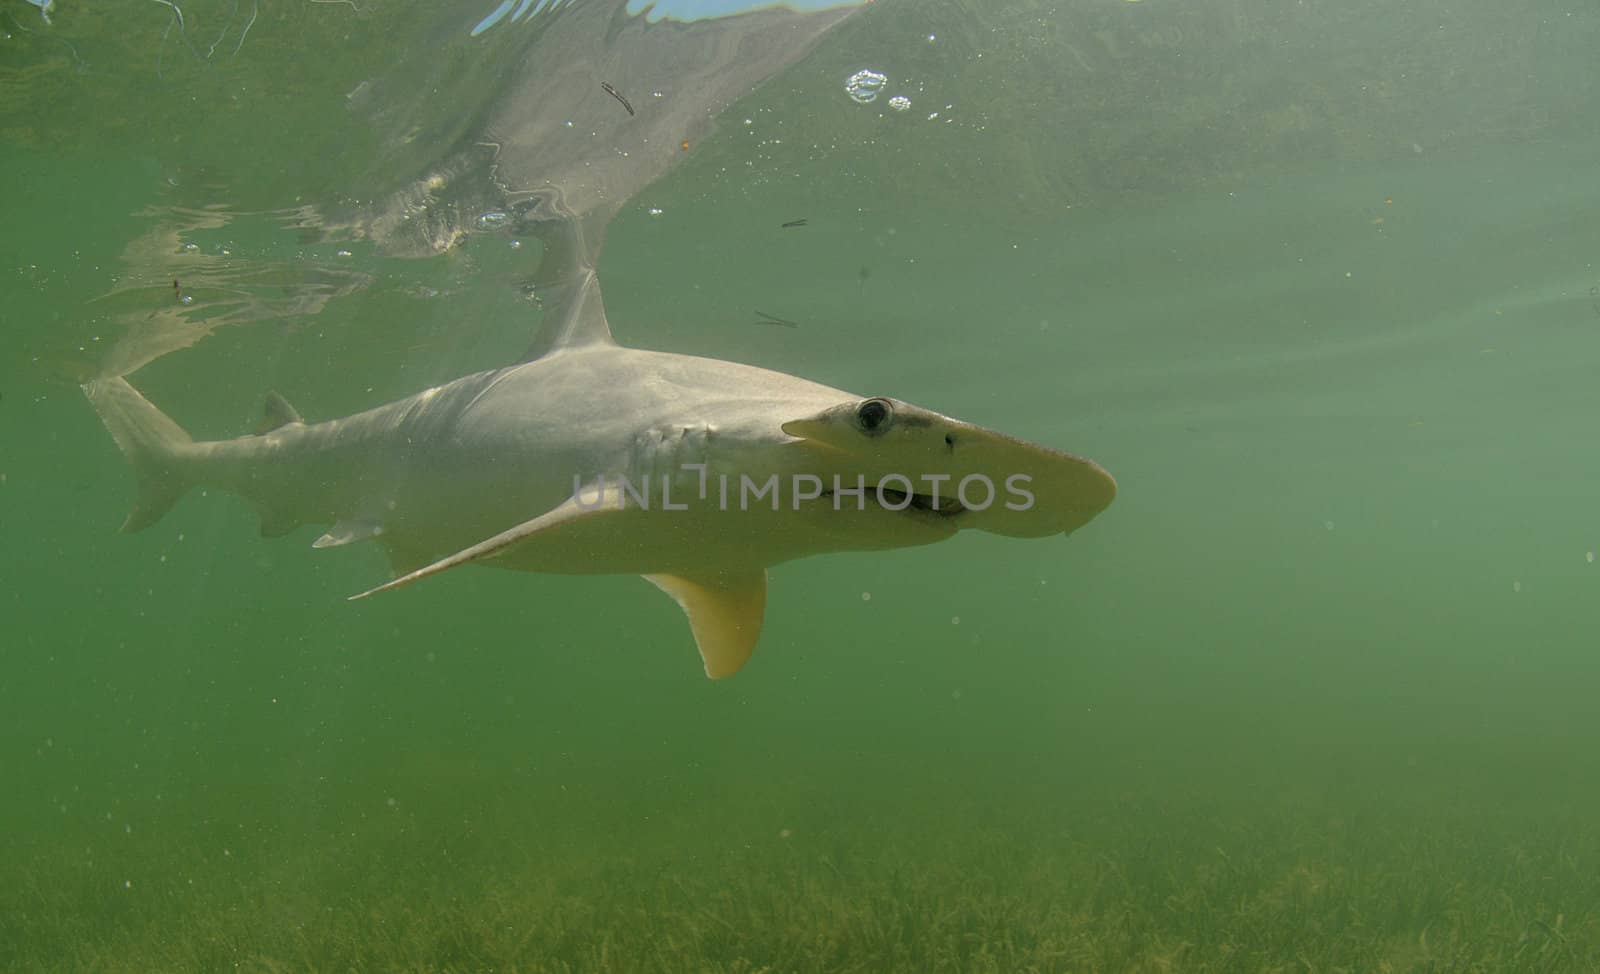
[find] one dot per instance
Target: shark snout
(922, 462)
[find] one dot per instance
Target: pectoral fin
(725, 611)
(579, 511)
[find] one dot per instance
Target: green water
(1317, 693)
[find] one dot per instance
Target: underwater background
(1316, 282)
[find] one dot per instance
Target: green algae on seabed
(1190, 883)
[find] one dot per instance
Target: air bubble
(864, 86)
(899, 103)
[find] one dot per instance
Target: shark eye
(873, 415)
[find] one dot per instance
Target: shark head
(933, 468)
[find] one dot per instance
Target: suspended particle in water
(614, 93)
(864, 86)
(866, 596)
(1516, 586)
(493, 220)
(1328, 525)
(899, 103)
(1589, 557)
(955, 620)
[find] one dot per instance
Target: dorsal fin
(578, 320)
(568, 287)
(276, 414)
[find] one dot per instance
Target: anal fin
(725, 611)
(348, 532)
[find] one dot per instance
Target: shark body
(588, 457)
(594, 458)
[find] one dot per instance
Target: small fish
(614, 93)
(794, 223)
(766, 319)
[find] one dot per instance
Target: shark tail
(153, 444)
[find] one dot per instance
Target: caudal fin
(153, 444)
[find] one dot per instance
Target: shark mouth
(898, 501)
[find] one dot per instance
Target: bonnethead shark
(589, 457)
(696, 473)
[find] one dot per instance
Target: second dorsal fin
(276, 414)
